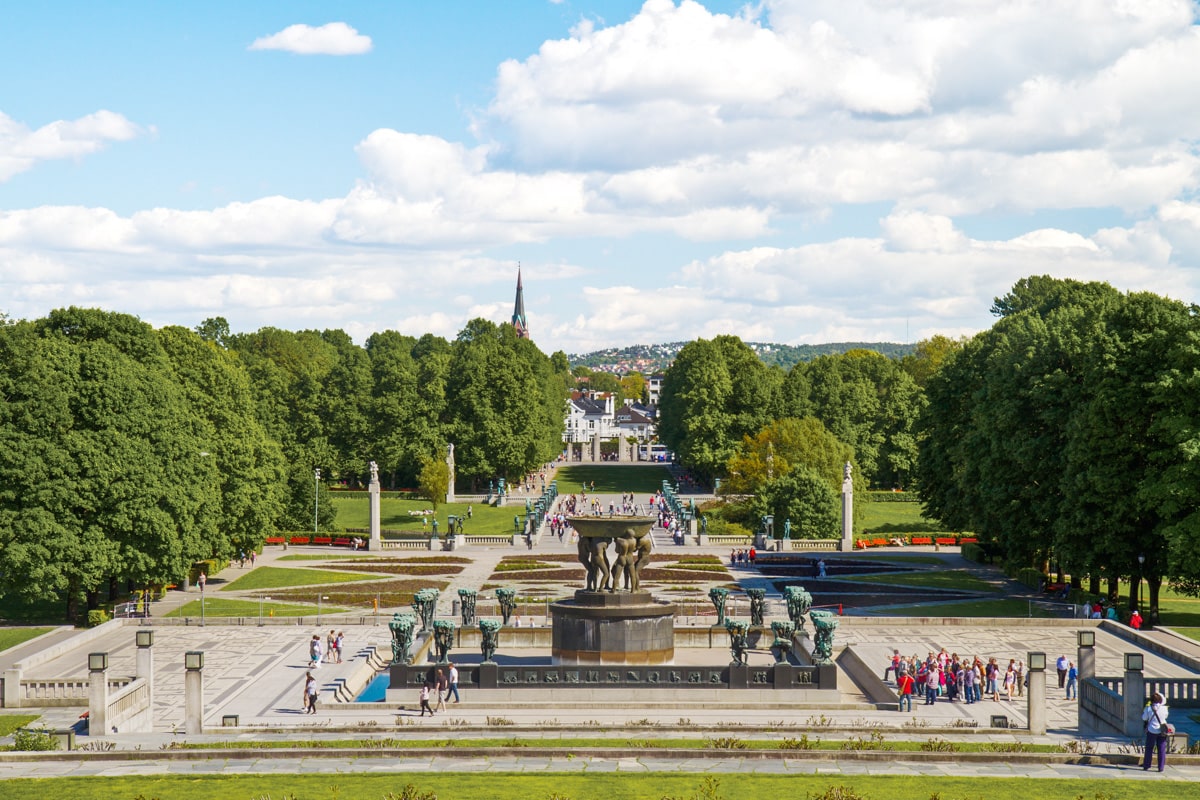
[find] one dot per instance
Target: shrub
(209, 567)
(34, 739)
(893, 497)
(97, 616)
(720, 527)
(973, 552)
(1033, 578)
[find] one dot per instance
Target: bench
(862, 544)
(947, 540)
(968, 540)
(922, 540)
(275, 540)
(299, 540)
(879, 543)
(322, 540)
(343, 541)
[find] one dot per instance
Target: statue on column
(758, 603)
(402, 634)
(784, 631)
(443, 639)
(508, 602)
(825, 623)
(467, 606)
(799, 601)
(489, 632)
(718, 595)
(737, 640)
(374, 472)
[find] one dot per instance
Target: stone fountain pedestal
(613, 628)
(605, 623)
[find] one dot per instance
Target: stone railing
(1182, 692)
(62, 691)
(740, 541)
(405, 544)
(129, 709)
(813, 544)
(1101, 707)
(489, 539)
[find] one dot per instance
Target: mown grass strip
(11, 637)
(284, 577)
(616, 785)
(225, 607)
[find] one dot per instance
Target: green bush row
(209, 566)
(893, 497)
(97, 616)
(973, 552)
(1033, 578)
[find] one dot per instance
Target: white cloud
(21, 147)
(331, 39)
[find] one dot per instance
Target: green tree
(804, 497)
(104, 478)
(434, 480)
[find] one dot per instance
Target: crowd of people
(943, 674)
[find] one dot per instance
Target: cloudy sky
(796, 171)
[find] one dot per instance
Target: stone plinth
(613, 628)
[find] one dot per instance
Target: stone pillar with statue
(376, 538)
(450, 470)
(847, 509)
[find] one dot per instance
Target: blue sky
(790, 170)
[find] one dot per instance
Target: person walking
(426, 690)
(454, 682)
(1061, 666)
(1072, 681)
(314, 651)
(310, 693)
(442, 689)
(202, 580)
(1155, 719)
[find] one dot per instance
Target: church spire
(518, 318)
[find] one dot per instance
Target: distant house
(589, 415)
(654, 388)
(634, 420)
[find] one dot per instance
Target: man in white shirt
(1061, 665)
(453, 683)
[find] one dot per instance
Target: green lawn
(11, 637)
(940, 579)
(641, 479)
(1007, 607)
(225, 607)
(888, 518)
(10, 722)
(283, 577)
(1191, 633)
(615, 785)
(354, 511)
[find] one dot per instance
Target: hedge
(973, 552)
(97, 616)
(893, 497)
(209, 567)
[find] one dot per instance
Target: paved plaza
(256, 672)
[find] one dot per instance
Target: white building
(589, 416)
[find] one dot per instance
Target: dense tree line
(130, 453)
(722, 408)
(1069, 433)
(718, 392)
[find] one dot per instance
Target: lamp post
(316, 496)
(319, 599)
(261, 598)
(1137, 603)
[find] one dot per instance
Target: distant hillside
(651, 358)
